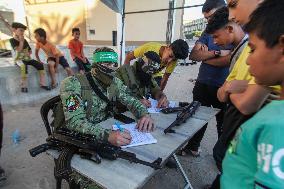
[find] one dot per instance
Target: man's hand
(146, 102)
(236, 86)
(203, 47)
(145, 124)
(118, 138)
(163, 102)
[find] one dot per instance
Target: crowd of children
(54, 56)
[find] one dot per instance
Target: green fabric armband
(109, 57)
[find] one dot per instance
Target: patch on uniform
(72, 103)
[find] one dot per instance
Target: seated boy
(54, 56)
(23, 54)
(255, 158)
(168, 54)
(77, 52)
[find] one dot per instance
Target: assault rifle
(175, 109)
(89, 148)
(186, 113)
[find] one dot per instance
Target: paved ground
(25, 172)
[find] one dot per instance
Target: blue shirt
(208, 74)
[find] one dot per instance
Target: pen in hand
(117, 124)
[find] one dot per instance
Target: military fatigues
(75, 109)
(127, 74)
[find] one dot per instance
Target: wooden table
(123, 174)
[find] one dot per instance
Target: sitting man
(139, 79)
(79, 117)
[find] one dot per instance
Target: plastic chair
(45, 109)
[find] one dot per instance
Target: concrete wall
(10, 77)
(94, 15)
(58, 19)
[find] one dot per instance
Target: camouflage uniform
(75, 109)
(75, 112)
(133, 83)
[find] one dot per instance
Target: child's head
(40, 35)
(210, 6)
(240, 10)
(266, 31)
(76, 33)
(222, 29)
(18, 28)
(176, 50)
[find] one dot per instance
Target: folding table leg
(188, 185)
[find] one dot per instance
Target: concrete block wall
(10, 90)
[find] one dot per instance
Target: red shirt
(76, 48)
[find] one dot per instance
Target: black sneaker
(45, 87)
(171, 163)
(24, 90)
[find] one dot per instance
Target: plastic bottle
(16, 136)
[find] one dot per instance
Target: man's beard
(144, 78)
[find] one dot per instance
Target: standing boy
(54, 56)
(255, 158)
(169, 55)
(77, 52)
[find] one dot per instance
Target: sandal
(54, 86)
(24, 90)
(45, 87)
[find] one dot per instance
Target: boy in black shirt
(23, 55)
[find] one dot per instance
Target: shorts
(81, 65)
(62, 61)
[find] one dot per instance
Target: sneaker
(45, 87)
(172, 164)
(24, 90)
(195, 153)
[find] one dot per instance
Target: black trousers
(37, 65)
(1, 126)
(207, 96)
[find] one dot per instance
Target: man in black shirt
(23, 52)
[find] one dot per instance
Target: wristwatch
(217, 53)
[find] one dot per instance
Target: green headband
(110, 57)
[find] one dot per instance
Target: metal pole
(122, 34)
(157, 10)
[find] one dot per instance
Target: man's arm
(199, 54)
(229, 87)
(36, 54)
(219, 61)
(74, 110)
(164, 81)
(251, 100)
(129, 56)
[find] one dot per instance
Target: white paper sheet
(138, 138)
(154, 104)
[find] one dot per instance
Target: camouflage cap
(151, 61)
